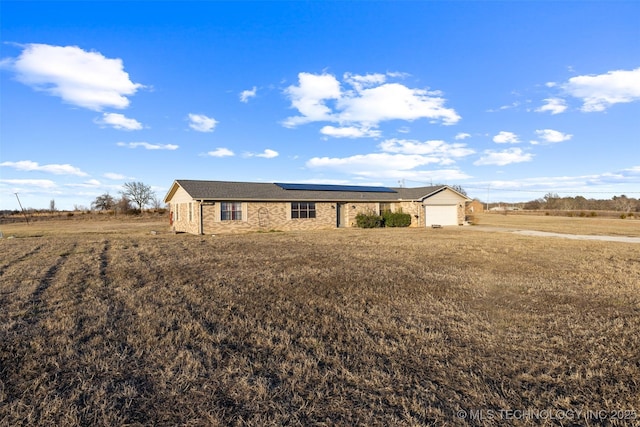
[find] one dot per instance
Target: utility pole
(22, 209)
(488, 186)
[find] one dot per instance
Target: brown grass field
(103, 323)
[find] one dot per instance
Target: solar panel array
(327, 187)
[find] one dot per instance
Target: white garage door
(441, 215)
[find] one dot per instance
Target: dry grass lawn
(563, 224)
(397, 327)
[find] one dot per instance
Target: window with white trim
(231, 211)
(303, 210)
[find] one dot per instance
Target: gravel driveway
(624, 239)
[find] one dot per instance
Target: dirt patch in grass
(346, 327)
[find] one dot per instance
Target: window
(190, 212)
(303, 210)
(177, 211)
(385, 207)
(231, 211)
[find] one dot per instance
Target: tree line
(135, 196)
(552, 201)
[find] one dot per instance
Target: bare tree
(138, 193)
(123, 205)
(156, 202)
(103, 202)
(459, 189)
(622, 203)
(52, 205)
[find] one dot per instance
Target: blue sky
(510, 100)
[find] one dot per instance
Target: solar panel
(326, 187)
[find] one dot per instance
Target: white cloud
(506, 138)
(573, 184)
(119, 121)
(550, 136)
(92, 183)
(245, 95)
(28, 165)
(350, 132)
(309, 98)
(116, 176)
(202, 123)
(148, 146)
(400, 158)
(553, 105)
(514, 104)
(39, 183)
(503, 158)
(424, 176)
(599, 92)
(371, 100)
(266, 154)
(393, 101)
(220, 152)
(462, 135)
(387, 166)
(360, 163)
(81, 78)
(440, 149)
(368, 80)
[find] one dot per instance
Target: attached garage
(444, 207)
(441, 215)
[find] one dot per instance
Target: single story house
(210, 207)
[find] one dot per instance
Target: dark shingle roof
(258, 191)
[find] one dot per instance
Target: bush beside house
(387, 219)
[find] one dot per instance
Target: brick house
(211, 207)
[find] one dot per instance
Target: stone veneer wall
(266, 216)
(183, 224)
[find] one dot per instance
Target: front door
(341, 210)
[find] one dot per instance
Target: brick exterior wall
(461, 213)
(267, 216)
(182, 222)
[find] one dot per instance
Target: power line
(521, 190)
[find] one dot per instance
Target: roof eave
(171, 192)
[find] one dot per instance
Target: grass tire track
(124, 391)
(35, 300)
(21, 258)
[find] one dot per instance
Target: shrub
(623, 216)
(592, 213)
(396, 219)
(369, 220)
